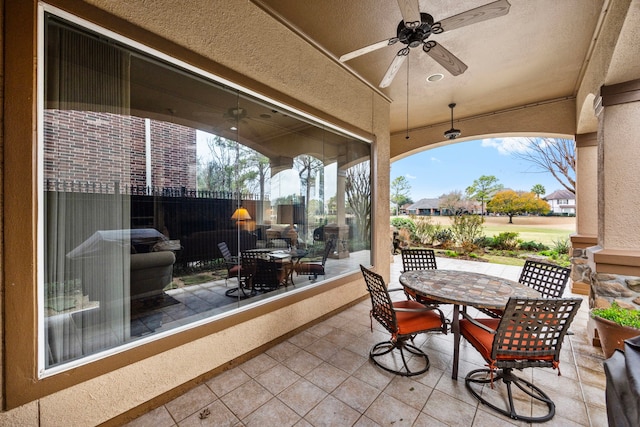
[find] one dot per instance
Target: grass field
(541, 229)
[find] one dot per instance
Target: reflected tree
(358, 189)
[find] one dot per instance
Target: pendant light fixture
(452, 133)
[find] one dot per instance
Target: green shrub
(451, 254)
(506, 241)
(426, 230)
(621, 316)
(401, 222)
(561, 246)
(444, 236)
(466, 229)
(533, 246)
(484, 242)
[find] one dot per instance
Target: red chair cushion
(412, 322)
(483, 340)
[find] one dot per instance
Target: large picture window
(170, 198)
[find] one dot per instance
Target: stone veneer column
(586, 211)
(615, 260)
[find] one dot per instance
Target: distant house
(425, 207)
(562, 202)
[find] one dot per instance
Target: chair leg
(390, 351)
(482, 377)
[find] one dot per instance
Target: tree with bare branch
(553, 155)
(358, 189)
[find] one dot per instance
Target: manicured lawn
(539, 229)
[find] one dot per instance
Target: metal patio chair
(528, 335)
(403, 320)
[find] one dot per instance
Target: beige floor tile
(389, 411)
(302, 362)
(332, 412)
(327, 377)
(449, 410)
(303, 339)
(594, 396)
(408, 391)
(356, 393)
(215, 414)
(373, 375)
(247, 398)
(158, 417)
(568, 407)
(365, 422)
(302, 396)
(432, 376)
(341, 338)
(225, 382)
(598, 416)
(277, 378)
(487, 419)
(283, 351)
(272, 413)
(257, 365)
(323, 349)
(425, 420)
(321, 329)
(347, 360)
(190, 402)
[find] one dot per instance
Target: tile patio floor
(322, 377)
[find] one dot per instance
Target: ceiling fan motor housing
(414, 37)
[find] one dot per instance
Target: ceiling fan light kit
(415, 29)
(452, 133)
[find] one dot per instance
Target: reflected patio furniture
(528, 335)
(403, 320)
(548, 279)
(258, 273)
(231, 262)
(315, 268)
(418, 259)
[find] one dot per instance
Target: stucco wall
(282, 64)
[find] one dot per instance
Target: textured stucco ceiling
(534, 54)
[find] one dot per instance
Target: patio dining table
(464, 288)
(287, 258)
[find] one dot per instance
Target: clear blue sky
(437, 171)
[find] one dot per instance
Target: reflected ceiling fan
(416, 27)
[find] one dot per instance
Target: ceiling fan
(416, 27)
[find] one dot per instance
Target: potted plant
(615, 324)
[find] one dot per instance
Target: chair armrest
(478, 324)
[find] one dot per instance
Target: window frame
(26, 383)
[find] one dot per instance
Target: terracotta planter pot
(612, 335)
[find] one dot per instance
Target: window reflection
(170, 198)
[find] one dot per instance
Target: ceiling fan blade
(479, 14)
(410, 10)
(367, 49)
(447, 59)
(394, 67)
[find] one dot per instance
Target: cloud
(410, 176)
(435, 160)
(507, 146)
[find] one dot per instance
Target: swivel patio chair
(246, 273)
(404, 320)
(548, 279)
(315, 268)
(418, 259)
(529, 334)
(231, 262)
